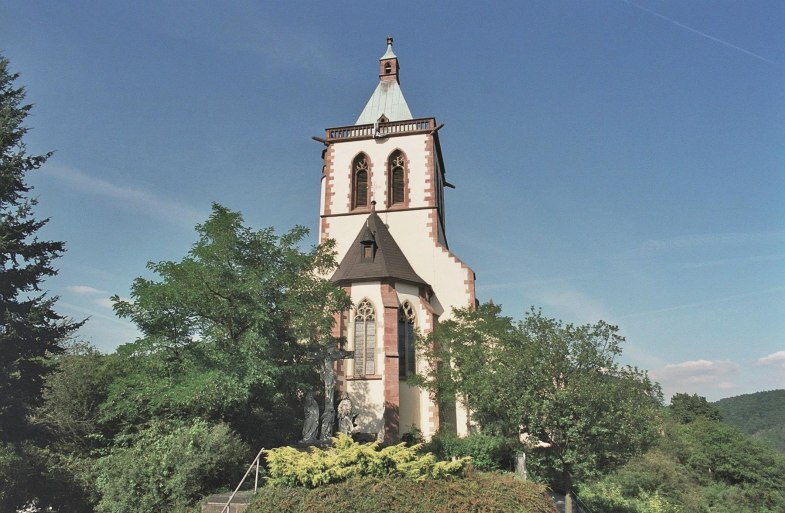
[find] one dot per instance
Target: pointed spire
(389, 53)
(387, 99)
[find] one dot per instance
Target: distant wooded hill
(761, 415)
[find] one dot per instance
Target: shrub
(346, 459)
(167, 467)
(477, 492)
(608, 497)
(487, 452)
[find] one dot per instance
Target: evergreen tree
(30, 329)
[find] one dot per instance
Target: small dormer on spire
(388, 64)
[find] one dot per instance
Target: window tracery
(365, 339)
(407, 320)
(360, 179)
(397, 186)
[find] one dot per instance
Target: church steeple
(382, 202)
(387, 100)
(388, 64)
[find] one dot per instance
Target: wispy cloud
(706, 377)
(141, 200)
(774, 359)
(698, 304)
(95, 315)
(730, 261)
(575, 305)
(700, 33)
(710, 239)
(104, 302)
(535, 281)
(84, 289)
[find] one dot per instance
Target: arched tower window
(406, 323)
(365, 339)
(396, 194)
(360, 182)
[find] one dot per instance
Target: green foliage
(167, 467)
(685, 408)
(556, 382)
(30, 329)
(488, 452)
(226, 331)
(72, 398)
(761, 415)
(14, 472)
(608, 498)
(701, 466)
(718, 452)
(346, 459)
(477, 492)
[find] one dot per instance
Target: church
(382, 201)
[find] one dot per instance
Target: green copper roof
(387, 99)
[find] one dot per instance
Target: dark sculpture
(328, 357)
(311, 424)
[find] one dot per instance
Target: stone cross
(327, 359)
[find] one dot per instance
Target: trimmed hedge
(476, 493)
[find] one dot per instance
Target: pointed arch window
(360, 181)
(406, 354)
(365, 339)
(396, 194)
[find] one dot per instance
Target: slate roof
(388, 261)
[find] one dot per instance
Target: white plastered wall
(410, 229)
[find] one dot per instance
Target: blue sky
(616, 160)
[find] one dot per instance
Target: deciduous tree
(686, 408)
(227, 329)
(555, 383)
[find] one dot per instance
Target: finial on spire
(389, 53)
(373, 206)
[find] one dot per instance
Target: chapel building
(382, 201)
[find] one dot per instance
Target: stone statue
(311, 424)
(328, 358)
(345, 418)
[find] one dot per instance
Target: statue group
(327, 359)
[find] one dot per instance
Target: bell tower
(388, 64)
(382, 201)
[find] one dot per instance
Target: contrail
(702, 34)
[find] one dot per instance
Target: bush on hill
(701, 466)
(478, 492)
